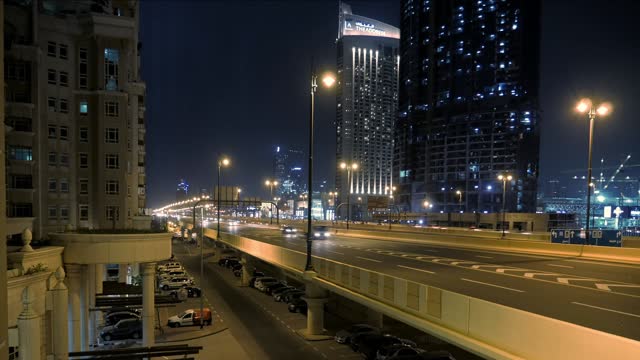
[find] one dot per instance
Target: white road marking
(606, 286)
(498, 286)
(561, 266)
(484, 257)
(364, 258)
(410, 268)
(335, 252)
(605, 309)
(532, 274)
(566, 280)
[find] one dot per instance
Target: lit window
(84, 107)
(111, 61)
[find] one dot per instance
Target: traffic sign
(611, 238)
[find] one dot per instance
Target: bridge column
(123, 270)
(148, 303)
(316, 297)
(246, 270)
(73, 280)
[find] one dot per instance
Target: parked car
(430, 355)
(289, 297)
(122, 308)
(279, 291)
(281, 297)
(398, 351)
(114, 317)
(262, 284)
(298, 305)
(124, 329)
(259, 279)
(270, 288)
(190, 317)
(169, 265)
(175, 283)
(223, 261)
(231, 263)
(191, 292)
(320, 232)
(256, 276)
(173, 273)
(369, 344)
(344, 336)
(236, 267)
(287, 230)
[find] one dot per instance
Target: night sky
(232, 77)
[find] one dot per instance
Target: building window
(51, 77)
(20, 182)
(51, 104)
(64, 185)
(64, 213)
(83, 211)
(84, 160)
(51, 48)
(64, 106)
(20, 123)
(53, 185)
(84, 107)
(83, 186)
(23, 153)
(111, 108)
(84, 68)
(112, 212)
(64, 159)
(64, 51)
(53, 213)
(52, 131)
(84, 135)
(64, 78)
(64, 133)
(111, 161)
(111, 135)
(20, 210)
(17, 71)
(112, 187)
(52, 158)
(111, 60)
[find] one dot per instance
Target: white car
(173, 273)
(169, 265)
(175, 283)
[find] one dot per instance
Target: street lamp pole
(504, 179)
(459, 193)
(221, 162)
(271, 184)
(586, 106)
(349, 167)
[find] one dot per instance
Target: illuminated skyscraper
(182, 192)
(367, 96)
(468, 107)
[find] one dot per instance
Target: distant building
(468, 104)
(287, 170)
(182, 192)
(367, 97)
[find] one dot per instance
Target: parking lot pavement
(167, 334)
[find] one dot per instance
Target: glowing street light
(271, 184)
(349, 168)
(504, 179)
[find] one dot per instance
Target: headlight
(327, 234)
(294, 230)
(316, 234)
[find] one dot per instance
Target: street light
(334, 199)
(390, 190)
(459, 193)
(271, 184)
(328, 80)
(221, 162)
(349, 167)
(504, 179)
(586, 106)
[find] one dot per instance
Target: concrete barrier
(490, 330)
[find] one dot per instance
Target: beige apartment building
(75, 127)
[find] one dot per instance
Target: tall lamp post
(238, 196)
(459, 193)
(334, 198)
(327, 80)
(586, 106)
(504, 179)
(349, 168)
(221, 162)
(390, 190)
(271, 184)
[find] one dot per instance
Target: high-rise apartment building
(287, 171)
(367, 96)
(75, 113)
(468, 108)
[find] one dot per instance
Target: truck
(190, 317)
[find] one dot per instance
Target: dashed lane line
(411, 268)
(364, 258)
(561, 266)
(605, 309)
(335, 252)
(494, 285)
(484, 257)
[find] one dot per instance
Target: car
(288, 230)
(344, 336)
(190, 317)
(169, 266)
(175, 283)
(223, 261)
(191, 291)
(320, 232)
(429, 355)
(256, 276)
(398, 351)
(116, 316)
(270, 288)
(259, 279)
(281, 297)
(369, 344)
(291, 296)
(231, 263)
(298, 305)
(236, 267)
(116, 309)
(170, 274)
(279, 291)
(262, 284)
(124, 329)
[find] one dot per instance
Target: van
(190, 317)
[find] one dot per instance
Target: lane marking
(498, 286)
(606, 286)
(484, 257)
(566, 280)
(605, 309)
(407, 267)
(561, 266)
(364, 258)
(335, 252)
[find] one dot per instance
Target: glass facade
(468, 107)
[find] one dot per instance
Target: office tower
(468, 108)
(367, 96)
(182, 191)
(75, 114)
(287, 171)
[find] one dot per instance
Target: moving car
(124, 329)
(344, 336)
(287, 230)
(175, 283)
(320, 232)
(114, 317)
(298, 305)
(190, 317)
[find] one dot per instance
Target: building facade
(287, 171)
(75, 108)
(366, 100)
(468, 107)
(182, 191)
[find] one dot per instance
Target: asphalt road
(261, 336)
(600, 295)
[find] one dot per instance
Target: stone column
(29, 328)
(60, 317)
(91, 290)
(315, 297)
(74, 271)
(148, 303)
(123, 270)
(99, 277)
(84, 307)
(246, 271)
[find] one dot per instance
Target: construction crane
(616, 172)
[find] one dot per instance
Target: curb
(193, 338)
